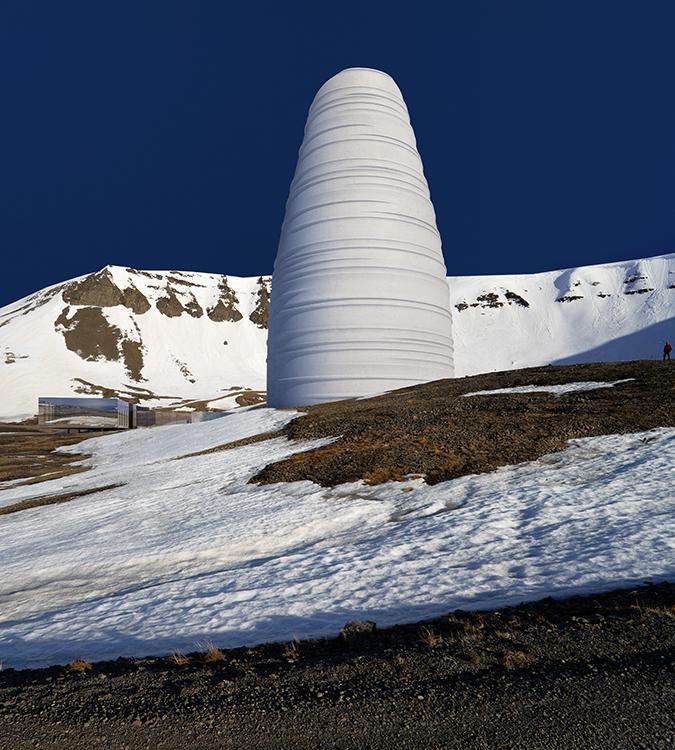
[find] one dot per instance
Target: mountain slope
(172, 338)
(611, 312)
(161, 338)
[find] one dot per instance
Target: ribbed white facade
(360, 301)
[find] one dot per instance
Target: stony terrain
(432, 429)
(591, 672)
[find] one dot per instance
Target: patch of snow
(558, 390)
(85, 421)
(187, 551)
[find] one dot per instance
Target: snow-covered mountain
(171, 339)
(604, 313)
(198, 340)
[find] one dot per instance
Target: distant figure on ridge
(667, 349)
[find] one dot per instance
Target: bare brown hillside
(437, 431)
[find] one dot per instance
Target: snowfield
(558, 390)
(187, 552)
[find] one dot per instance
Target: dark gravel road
(591, 672)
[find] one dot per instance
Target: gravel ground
(589, 672)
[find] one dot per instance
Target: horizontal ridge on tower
(360, 300)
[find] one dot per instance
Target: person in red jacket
(667, 349)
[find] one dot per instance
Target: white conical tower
(360, 300)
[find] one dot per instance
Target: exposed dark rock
(490, 299)
(356, 629)
(32, 303)
(132, 353)
(261, 311)
(89, 334)
(639, 291)
(462, 306)
(135, 300)
(250, 398)
(99, 290)
(133, 395)
(170, 305)
(225, 309)
(11, 357)
(569, 297)
(185, 372)
(516, 298)
(194, 308)
(183, 282)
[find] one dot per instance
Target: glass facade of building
(84, 413)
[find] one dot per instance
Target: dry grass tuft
(471, 630)
(79, 665)
(430, 637)
(179, 659)
(381, 475)
(291, 651)
(515, 659)
(659, 611)
(505, 635)
(211, 652)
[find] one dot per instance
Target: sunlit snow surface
(558, 390)
(186, 551)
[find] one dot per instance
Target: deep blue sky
(164, 134)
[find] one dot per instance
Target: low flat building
(83, 413)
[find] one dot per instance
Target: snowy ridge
(610, 312)
(159, 336)
(207, 556)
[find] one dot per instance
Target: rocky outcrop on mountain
(88, 334)
(225, 308)
(169, 304)
(494, 299)
(92, 337)
(136, 301)
(99, 290)
(261, 312)
(192, 307)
